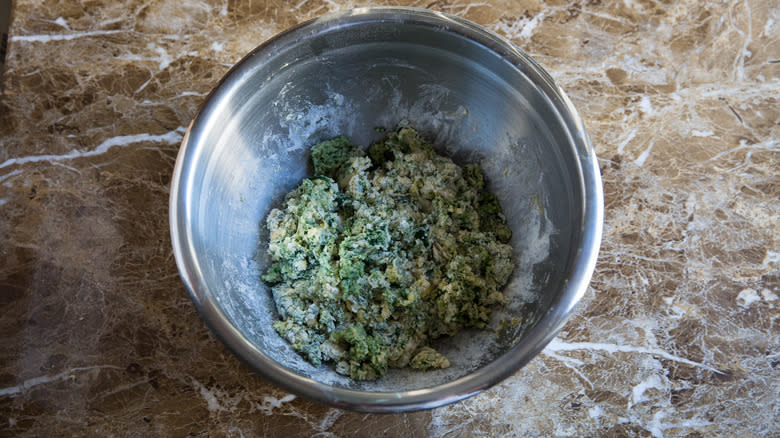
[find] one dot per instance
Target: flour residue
(509, 165)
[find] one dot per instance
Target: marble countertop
(677, 336)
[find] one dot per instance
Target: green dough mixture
(382, 252)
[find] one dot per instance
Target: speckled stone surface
(677, 336)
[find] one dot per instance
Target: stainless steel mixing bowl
(478, 97)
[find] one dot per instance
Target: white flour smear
(513, 174)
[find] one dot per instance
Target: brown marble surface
(677, 336)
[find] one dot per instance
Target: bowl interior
(252, 145)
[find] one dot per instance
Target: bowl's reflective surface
(475, 95)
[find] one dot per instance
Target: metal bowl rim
(403, 401)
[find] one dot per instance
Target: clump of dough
(379, 254)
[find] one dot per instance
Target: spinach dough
(380, 253)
